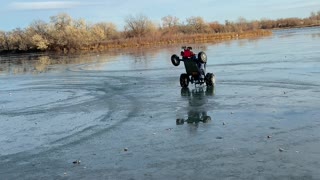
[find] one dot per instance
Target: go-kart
(194, 74)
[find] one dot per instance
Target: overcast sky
(21, 13)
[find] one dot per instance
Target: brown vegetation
(63, 33)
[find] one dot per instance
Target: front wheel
(210, 79)
(202, 57)
(175, 60)
(184, 80)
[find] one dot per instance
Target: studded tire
(175, 60)
(202, 57)
(210, 79)
(184, 80)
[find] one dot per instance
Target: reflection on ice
(41, 63)
(34, 63)
(197, 99)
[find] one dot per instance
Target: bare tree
(216, 27)
(242, 24)
(138, 26)
(313, 16)
(67, 33)
(40, 42)
(253, 25)
(104, 31)
(38, 34)
(61, 21)
(39, 27)
(197, 25)
(267, 24)
(18, 40)
(169, 21)
(4, 41)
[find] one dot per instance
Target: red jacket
(187, 53)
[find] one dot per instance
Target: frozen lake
(117, 111)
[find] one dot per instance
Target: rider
(188, 54)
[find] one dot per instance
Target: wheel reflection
(197, 100)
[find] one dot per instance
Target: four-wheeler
(195, 68)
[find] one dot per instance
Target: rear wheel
(184, 80)
(175, 60)
(202, 57)
(210, 79)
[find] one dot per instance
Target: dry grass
(176, 39)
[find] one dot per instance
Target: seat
(191, 67)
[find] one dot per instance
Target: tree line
(63, 33)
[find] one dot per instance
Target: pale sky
(21, 13)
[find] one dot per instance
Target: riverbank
(178, 39)
(298, 27)
(154, 41)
